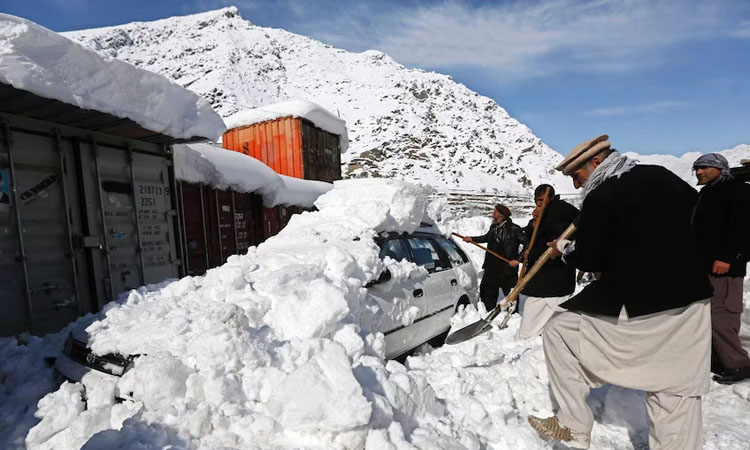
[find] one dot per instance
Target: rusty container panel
(275, 142)
(194, 211)
(270, 222)
(248, 218)
(219, 224)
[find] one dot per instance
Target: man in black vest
(556, 280)
(504, 238)
(637, 326)
(722, 224)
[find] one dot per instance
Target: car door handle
(418, 292)
(454, 282)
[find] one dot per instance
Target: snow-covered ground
(277, 349)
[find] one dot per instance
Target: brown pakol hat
(582, 153)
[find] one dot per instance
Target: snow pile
(225, 169)
(278, 349)
(40, 61)
(313, 112)
(272, 350)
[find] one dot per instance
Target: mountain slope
(403, 123)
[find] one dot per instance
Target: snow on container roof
(38, 60)
(319, 116)
(224, 169)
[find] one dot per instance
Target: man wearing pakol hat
(722, 224)
(504, 238)
(645, 323)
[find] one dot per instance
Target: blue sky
(658, 76)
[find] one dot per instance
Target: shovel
(483, 248)
(482, 325)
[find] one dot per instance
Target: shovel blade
(468, 332)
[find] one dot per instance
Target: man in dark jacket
(636, 326)
(504, 238)
(555, 281)
(722, 224)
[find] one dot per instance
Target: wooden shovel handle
(513, 296)
(545, 202)
(483, 248)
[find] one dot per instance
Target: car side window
(394, 248)
(456, 256)
(420, 245)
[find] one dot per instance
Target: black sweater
(555, 278)
(636, 231)
(722, 225)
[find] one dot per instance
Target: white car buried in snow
(364, 273)
(428, 278)
(450, 282)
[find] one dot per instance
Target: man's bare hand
(555, 252)
(467, 239)
(720, 267)
(514, 263)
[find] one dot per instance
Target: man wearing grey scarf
(721, 220)
(639, 325)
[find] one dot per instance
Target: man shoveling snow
(637, 327)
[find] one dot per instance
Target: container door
(226, 224)
(39, 287)
(194, 219)
(129, 209)
(156, 217)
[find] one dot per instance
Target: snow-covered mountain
(403, 123)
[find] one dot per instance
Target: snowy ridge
(45, 63)
(407, 124)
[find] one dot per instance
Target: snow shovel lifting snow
(482, 325)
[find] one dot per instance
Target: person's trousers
(536, 312)
(489, 290)
(726, 311)
(676, 421)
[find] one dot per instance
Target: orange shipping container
(291, 146)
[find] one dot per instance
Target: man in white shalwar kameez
(640, 326)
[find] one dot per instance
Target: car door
(439, 290)
(396, 299)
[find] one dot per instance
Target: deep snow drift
(271, 351)
(50, 65)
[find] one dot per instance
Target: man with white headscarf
(722, 224)
(640, 325)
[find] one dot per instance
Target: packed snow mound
(475, 395)
(305, 109)
(278, 348)
(226, 169)
(35, 59)
(380, 205)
